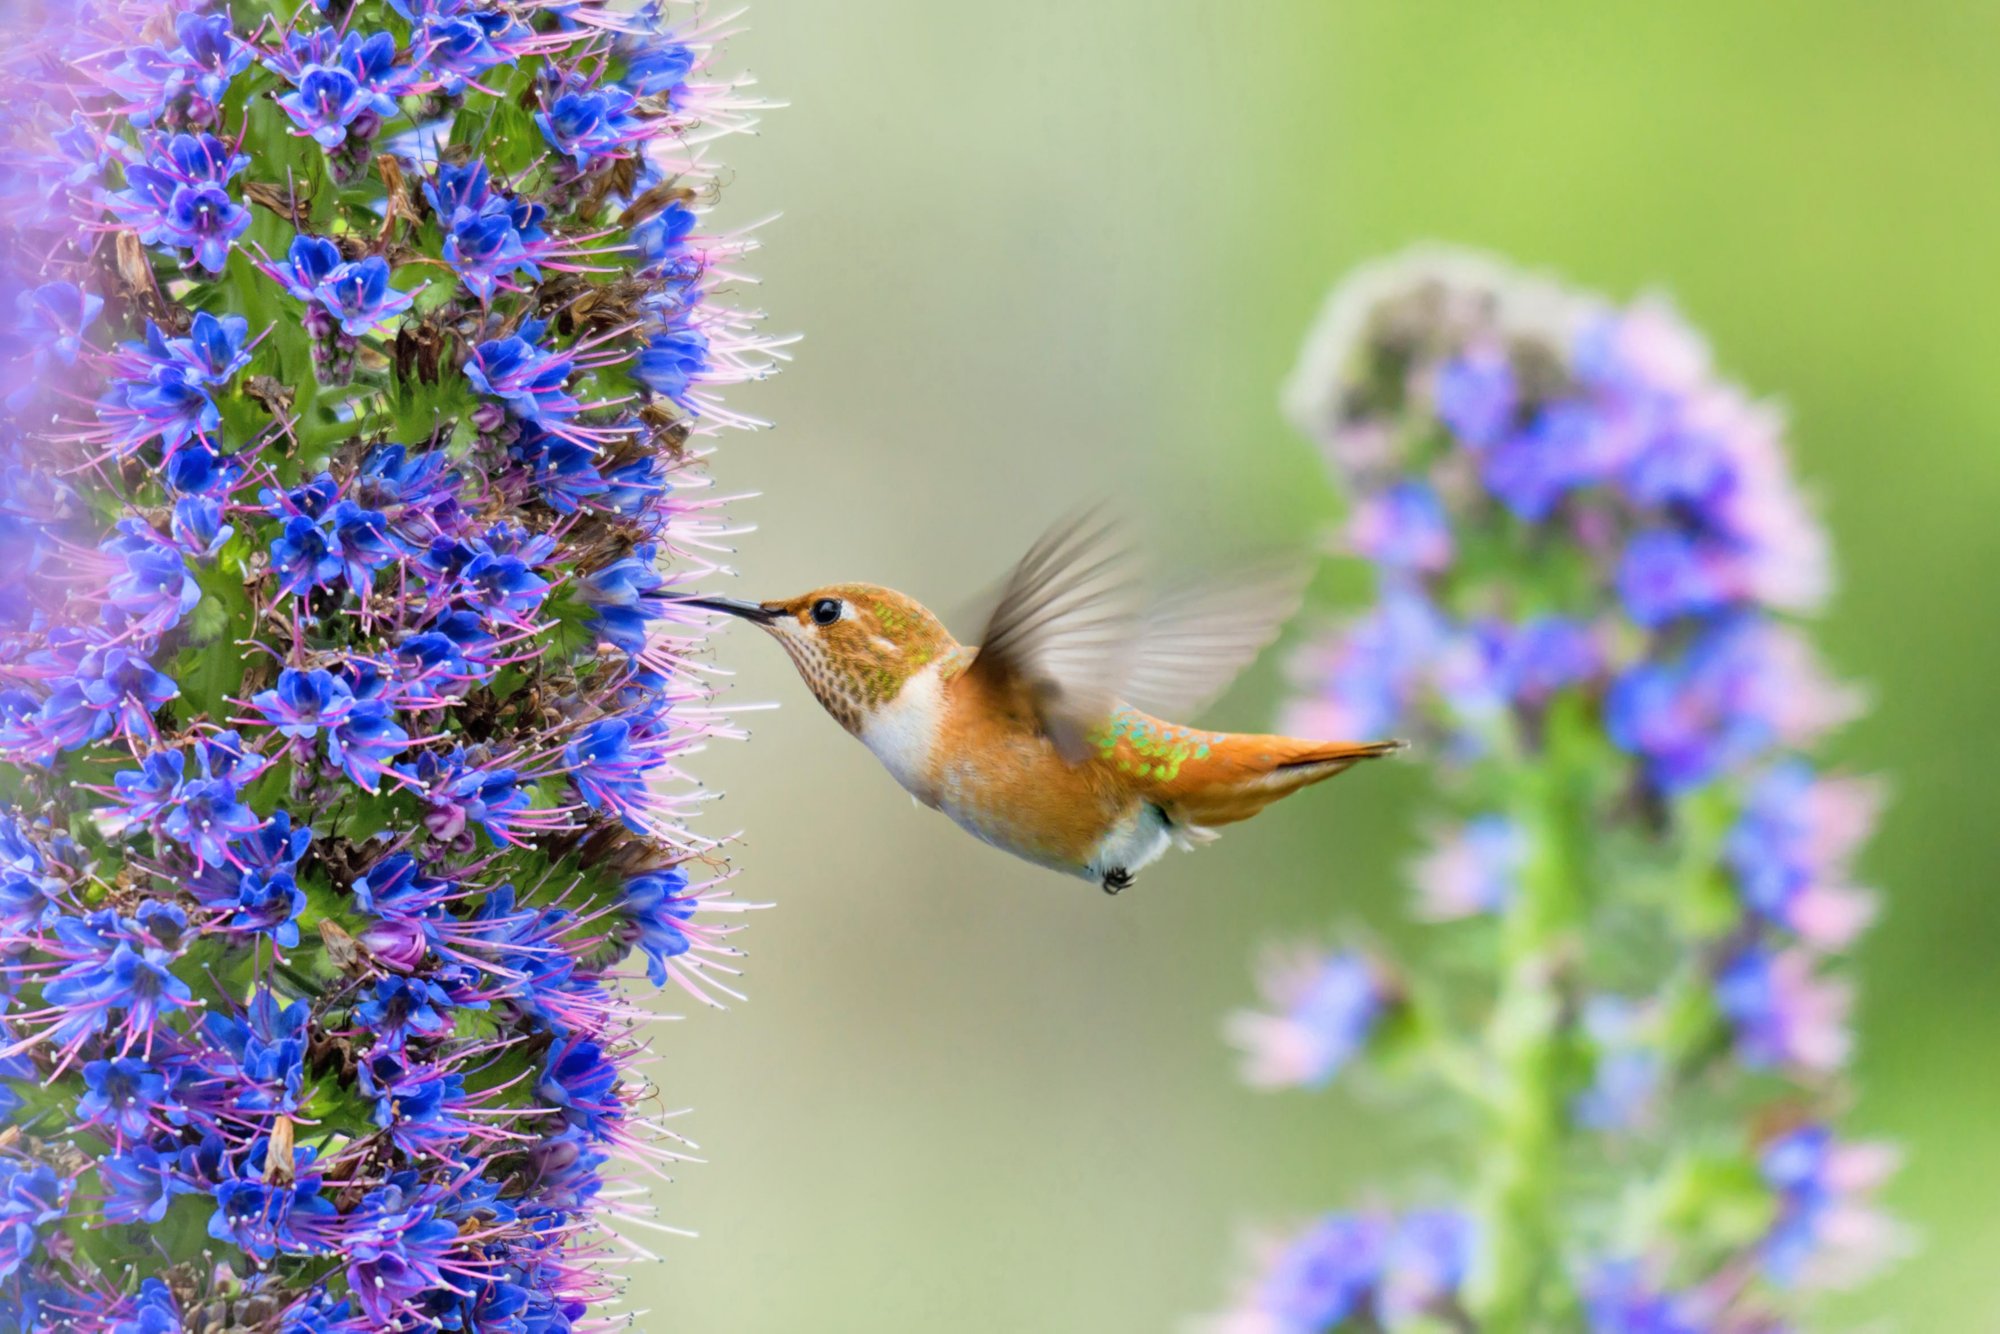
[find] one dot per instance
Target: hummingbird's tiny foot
(1117, 878)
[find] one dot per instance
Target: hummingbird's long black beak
(749, 611)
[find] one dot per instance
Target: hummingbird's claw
(1117, 878)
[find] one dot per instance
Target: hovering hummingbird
(1033, 740)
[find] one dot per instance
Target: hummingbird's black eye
(826, 611)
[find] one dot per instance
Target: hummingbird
(1037, 740)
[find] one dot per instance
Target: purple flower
(1698, 715)
(458, 792)
(1364, 681)
(283, 971)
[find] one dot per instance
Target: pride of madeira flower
(1589, 554)
(360, 362)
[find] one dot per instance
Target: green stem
(1520, 1287)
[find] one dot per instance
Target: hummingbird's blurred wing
(1074, 628)
(1192, 641)
(1063, 628)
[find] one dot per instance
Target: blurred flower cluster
(1589, 552)
(360, 363)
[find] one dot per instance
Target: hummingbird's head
(854, 644)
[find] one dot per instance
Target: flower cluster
(345, 496)
(1590, 554)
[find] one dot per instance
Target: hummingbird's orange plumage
(1026, 740)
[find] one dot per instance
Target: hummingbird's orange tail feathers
(1242, 774)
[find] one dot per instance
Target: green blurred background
(1066, 248)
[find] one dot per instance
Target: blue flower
(577, 1077)
(400, 1007)
(1666, 575)
(136, 981)
(609, 770)
(1701, 713)
(302, 702)
(1328, 1274)
(626, 596)
(51, 319)
(263, 1218)
(590, 125)
(265, 1051)
(662, 238)
(207, 817)
(195, 74)
(524, 377)
(355, 294)
(397, 1254)
(155, 1313)
(1533, 468)
(1618, 1300)
(1782, 1013)
(359, 295)
(123, 1095)
(155, 588)
(325, 103)
(178, 197)
(31, 1198)
(1327, 1010)
(140, 1182)
(670, 362)
(1403, 527)
(198, 529)
(365, 741)
(456, 48)
(304, 555)
(655, 908)
(1475, 396)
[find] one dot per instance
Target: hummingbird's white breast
(903, 732)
